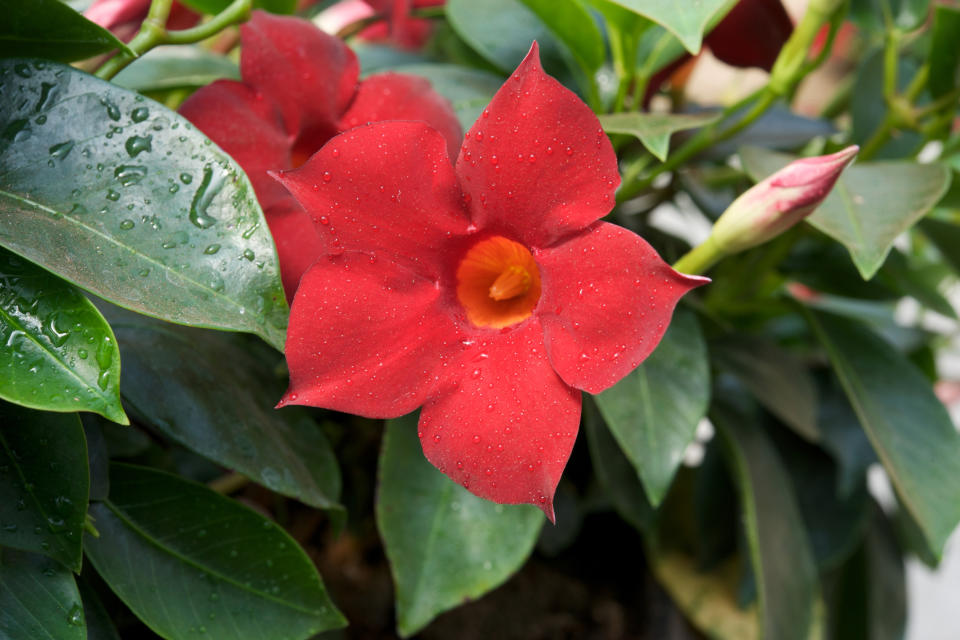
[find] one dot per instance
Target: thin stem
(706, 137)
(229, 483)
(700, 258)
(153, 32)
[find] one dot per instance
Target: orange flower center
(498, 283)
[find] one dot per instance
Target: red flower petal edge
(476, 291)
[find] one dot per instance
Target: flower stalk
(153, 32)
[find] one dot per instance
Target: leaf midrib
(121, 515)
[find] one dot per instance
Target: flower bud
(780, 201)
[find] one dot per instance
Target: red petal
(247, 127)
(388, 189)
(752, 34)
(399, 96)
(310, 74)
(111, 13)
(537, 164)
(365, 337)
(298, 243)
(503, 423)
(607, 299)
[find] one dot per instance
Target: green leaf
(468, 90)
(775, 377)
(946, 238)
(216, 6)
(445, 545)
(920, 281)
(189, 561)
(51, 29)
(615, 471)
(574, 26)
(944, 58)
(787, 584)
(175, 66)
(909, 428)
(868, 105)
(688, 23)
(871, 204)
(58, 351)
(126, 199)
(502, 31)
(654, 129)
(843, 437)
(99, 624)
(221, 406)
(38, 599)
(44, 483)
(653, 413)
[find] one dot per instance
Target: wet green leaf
(221, 406)
(188, 561)
(126, 199)
(99, 624)
(654, 129)
(51, 29)
(58, 352)
(44, 483)
(38, 599)
(653, 413)
(909, 428)
(444, 544)
(871, 204)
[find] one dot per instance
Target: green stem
(899, 114)
(700, 258)
(153, 32)
(229, 483)
(706, 137)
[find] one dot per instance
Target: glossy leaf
(775, 377)
(58, 352)
(444, 544)
(653, 413)
(175, 66)
(468, 90)
(38, 599)
(574, 26)
(871, 204)
(189, 561)
(909, 428)
(502, 31)
(688, 24)
(787, 583)
(51, 29)
(98, 457)
(126, 199)
(654, 129)
(44, 483)
(615, 471)
(221, 406)
(944, 56)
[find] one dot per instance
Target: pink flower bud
(777, 203)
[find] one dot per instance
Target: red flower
(123, 17)
(396, 25)
(300, 88)
(489, 293)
